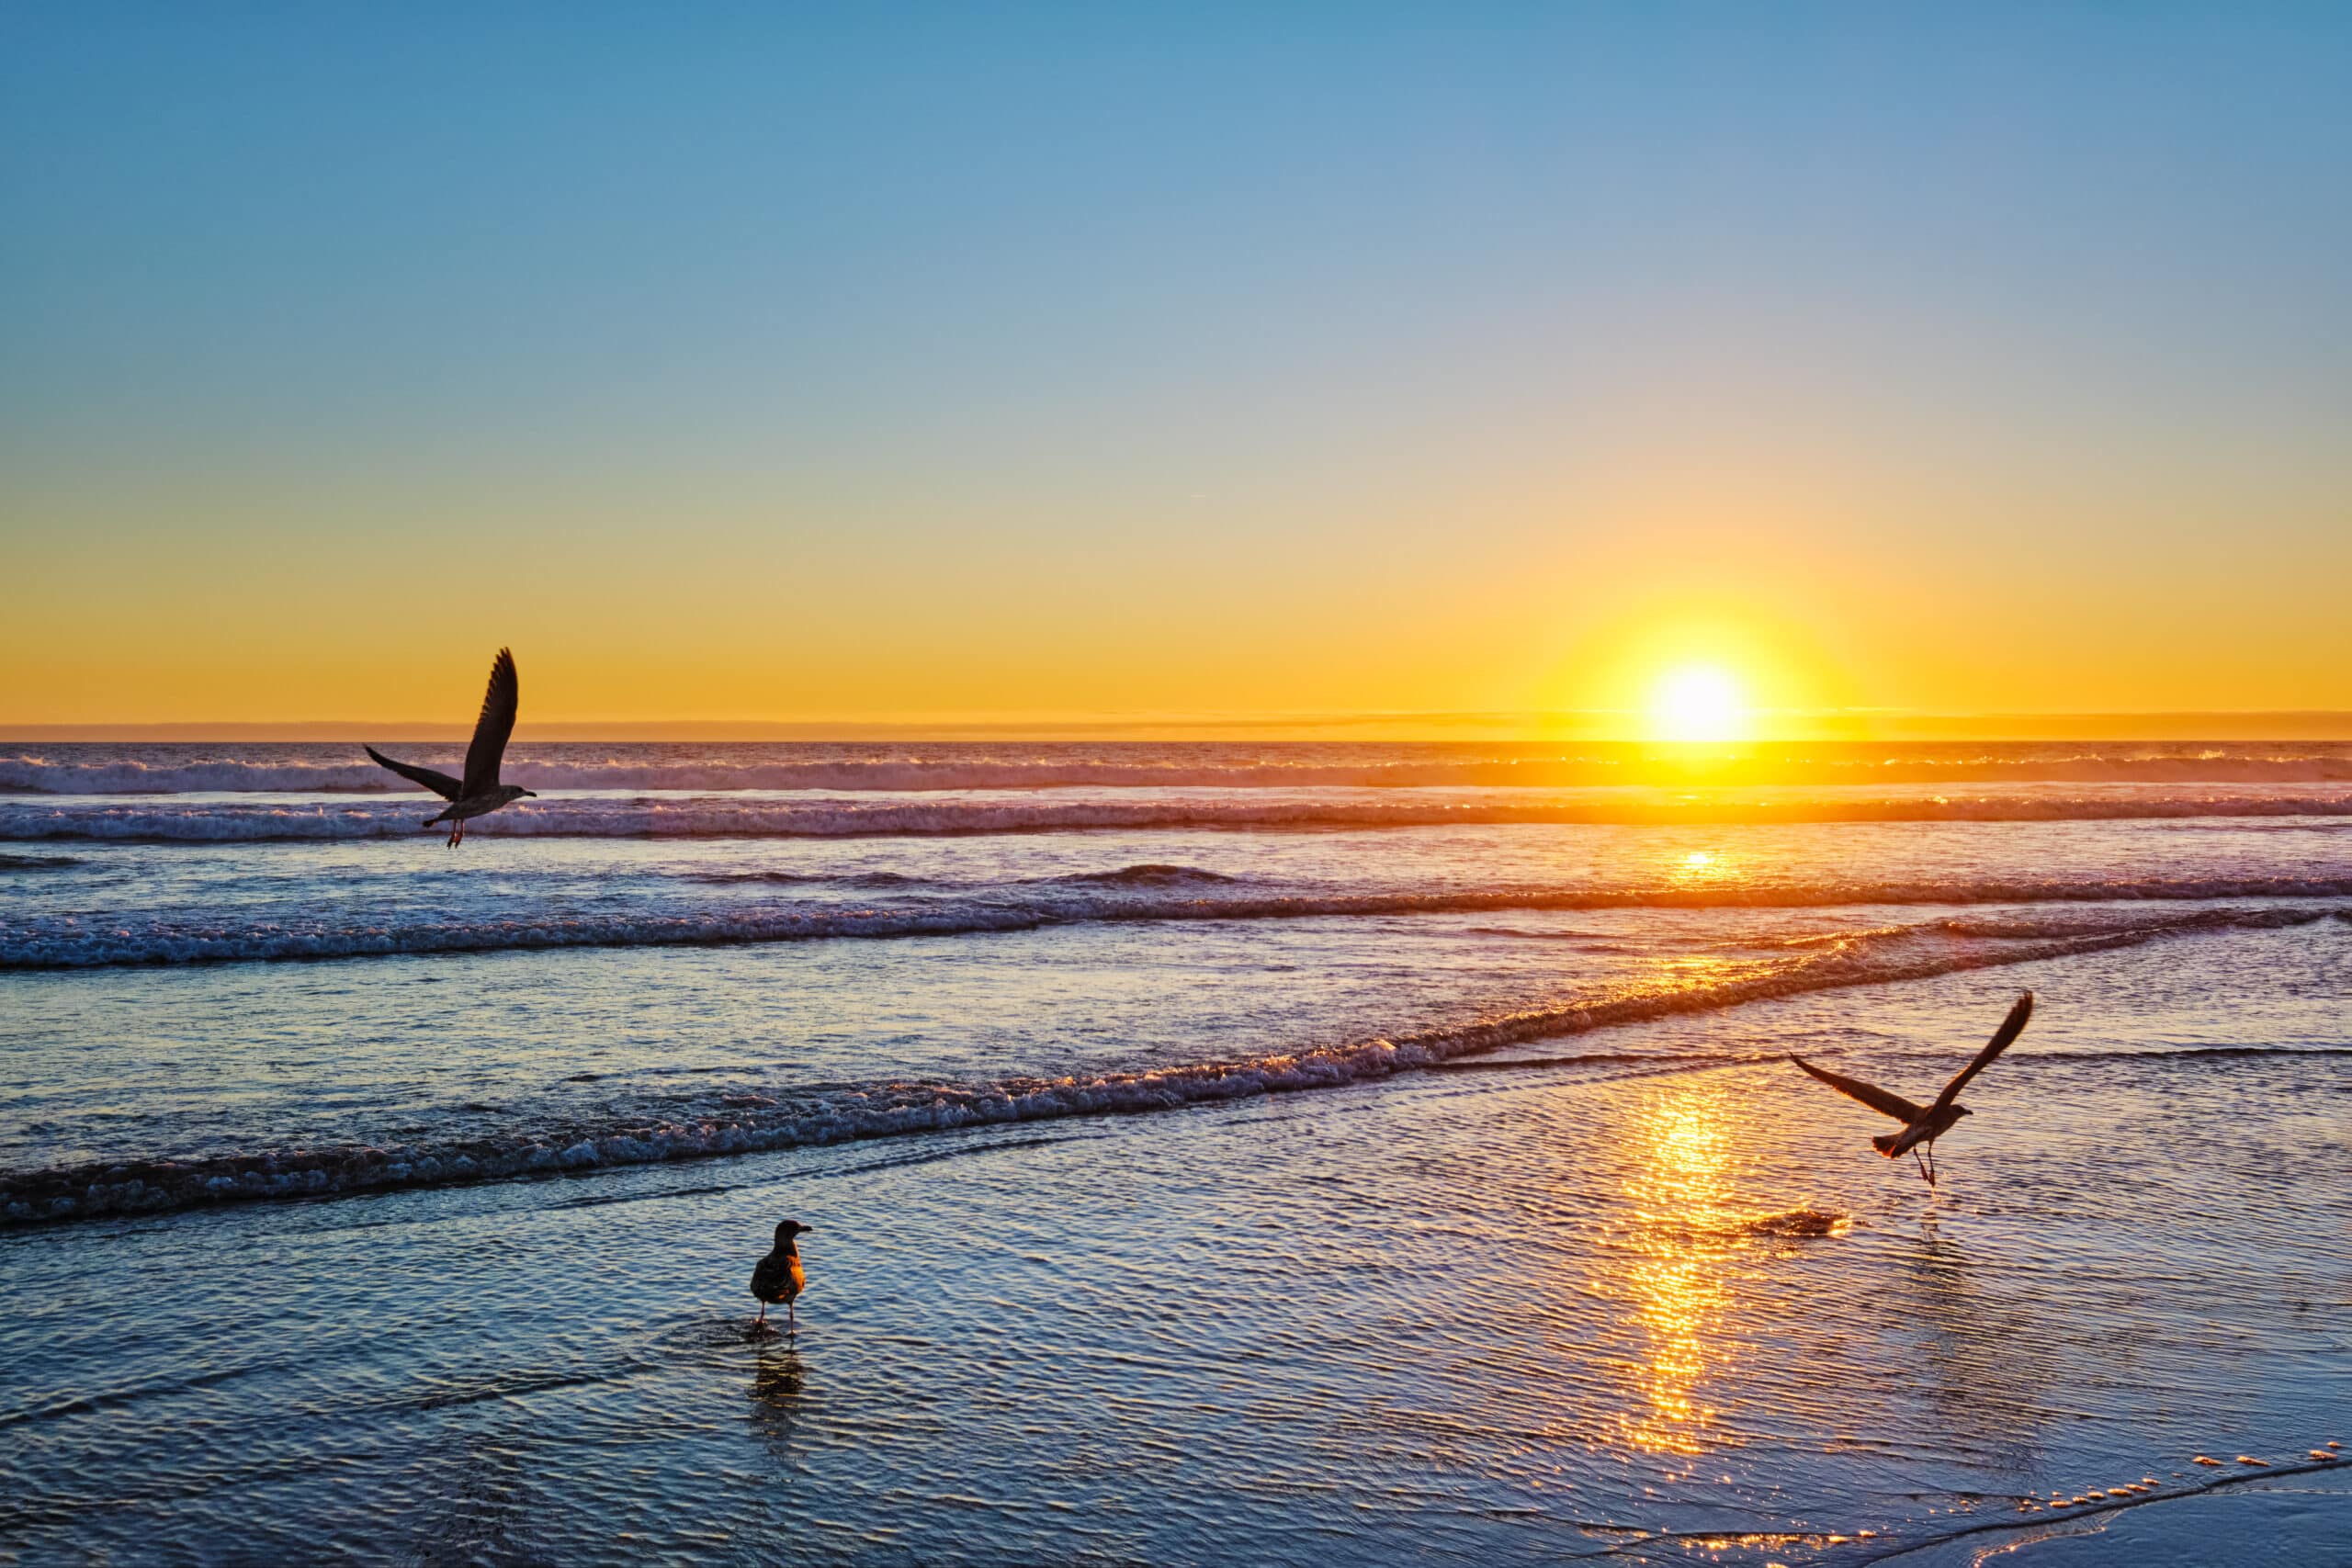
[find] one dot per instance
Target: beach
(1328, 787)
(1233, 1153)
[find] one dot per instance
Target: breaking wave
(750, 1122)
(172, 820)
(806, 879)
(1149, 876)
(330, 769)
(1136, 895)
(1152, 875)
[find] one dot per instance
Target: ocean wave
(137, 938)
(167, 821)
(2183, 1054)
(1146, 875)
(88, 768)
(751, 1122)
(1793, 1223)
(805, 879)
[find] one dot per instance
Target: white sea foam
(181, 820)
(318, 768)
(84, 941)
(787, 1119)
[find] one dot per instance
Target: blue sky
(1180, 347)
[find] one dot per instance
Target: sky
(802, 363)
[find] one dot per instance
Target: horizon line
(1615, 726)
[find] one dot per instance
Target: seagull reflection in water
(775, 1395)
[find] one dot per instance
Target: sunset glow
(1175, 783)
(942, 408)
(1699, 704)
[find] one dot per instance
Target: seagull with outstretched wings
(1923, 1125)
(479, 791)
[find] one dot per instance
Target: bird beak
(530, 794)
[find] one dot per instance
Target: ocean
(1215, 1152)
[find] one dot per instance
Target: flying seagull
(1925, 1124)
(479, 791)
(777, 1279)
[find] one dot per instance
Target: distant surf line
(87, 770)
(165, 819)
(100, 943)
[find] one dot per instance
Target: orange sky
(1563, 592)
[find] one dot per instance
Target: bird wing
(1870, 1094)
(441, 784)
(491, 730)
(2011, 1027)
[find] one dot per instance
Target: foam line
(894, 1108)
(136, 939)
(182, 820)
(341, 770)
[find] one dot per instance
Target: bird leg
(1927, 1172)
(791, 1317)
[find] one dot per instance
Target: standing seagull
(479, 791)
(776, 1278)
(1925, 1125)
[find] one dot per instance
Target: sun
(1700, 703)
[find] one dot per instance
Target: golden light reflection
(1703, 868)
(1679, 1194)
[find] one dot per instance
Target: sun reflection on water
(1678, 1193)
(1707, 867)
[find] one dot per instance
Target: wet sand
(1628, 1309)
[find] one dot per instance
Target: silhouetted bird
(777, 1279)
(1925, 1124)
(479, 791)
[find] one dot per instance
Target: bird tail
(1884, 1143)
